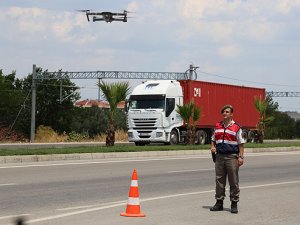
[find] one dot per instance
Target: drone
(108, 17)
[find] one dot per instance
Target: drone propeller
(126, 11)
(86, 11)
(83, 10)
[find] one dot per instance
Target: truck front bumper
(158, 135)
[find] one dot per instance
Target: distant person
(227, 147)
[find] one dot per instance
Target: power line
(58, 85)
(11, 90)
(255, 82)
(22, 106)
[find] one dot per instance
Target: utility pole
(192, 70)
(33, 104)
(99, 90)
(60, 92)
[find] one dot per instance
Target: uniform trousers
(226, 165)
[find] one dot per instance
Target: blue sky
(251, 43)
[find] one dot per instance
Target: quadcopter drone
(108, 17)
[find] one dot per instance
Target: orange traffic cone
(133, 208)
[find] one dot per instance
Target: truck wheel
(251, 136)
(173, 137)
(201, 137)
(245, 135)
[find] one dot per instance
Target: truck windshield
(147, 102)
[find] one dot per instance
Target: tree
(91, 120)
(50, 111)
(12, 102)
(114, 94)
(190, 114)
(15, 103)
(297, 128)
(283, 127)
(271, 106)
(261, 107)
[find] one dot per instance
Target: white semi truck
(152, 116)
(151, 112)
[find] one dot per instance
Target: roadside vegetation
(61, 121)
(131, 148)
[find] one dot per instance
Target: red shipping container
(211, 97)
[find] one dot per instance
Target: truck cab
(152, 115)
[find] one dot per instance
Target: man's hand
(213, 149)
(240, 161)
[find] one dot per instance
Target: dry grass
(121, 135)
(46, 134)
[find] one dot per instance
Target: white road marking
(146, 200)
(272, 153)
(162, 158)
(14, 216)
(89, 206)
(273, 184)
(8, 184)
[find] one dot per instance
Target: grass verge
(120, 148)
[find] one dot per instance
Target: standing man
(228, 145)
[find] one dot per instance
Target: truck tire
(245, 135)
(201, 137)
(251, 136)
(138, 143)
(173, 137)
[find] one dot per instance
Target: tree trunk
(260, 132)
(190, 138)
(110, 138)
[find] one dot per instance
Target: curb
(110, 155)
(12, 146)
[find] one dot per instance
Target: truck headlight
(130, 134)
(159, 134)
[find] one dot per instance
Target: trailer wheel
(251, 136)
(201, 137)
(173, 137)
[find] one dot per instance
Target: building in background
(87, 103)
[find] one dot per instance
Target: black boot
(234, 208)
(218, 206)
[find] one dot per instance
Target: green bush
(78, 137)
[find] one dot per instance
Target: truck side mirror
(126, 106)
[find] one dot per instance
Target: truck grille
(144, 123)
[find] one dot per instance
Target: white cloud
(200, 8)
(62, 27)
(284, 6)
(258, 30)
(133, 6)
(35, 24)
(29, 20)
(159, 3)
(230, 21)
(229, 51)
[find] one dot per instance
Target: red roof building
(101, 104)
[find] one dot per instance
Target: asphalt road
(173, 190)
